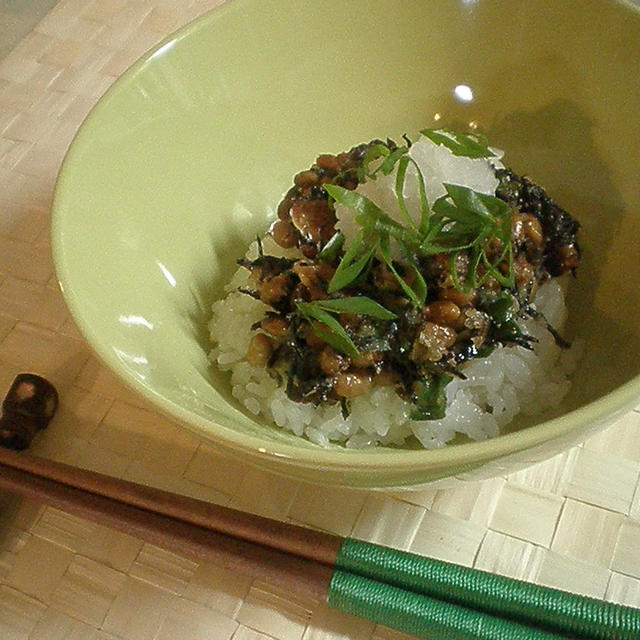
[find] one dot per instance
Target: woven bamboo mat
(572, 522)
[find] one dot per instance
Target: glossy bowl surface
(185, 158)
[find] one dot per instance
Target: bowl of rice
(380, 247)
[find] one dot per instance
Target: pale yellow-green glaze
(185, 158)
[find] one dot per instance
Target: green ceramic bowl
(185, 158)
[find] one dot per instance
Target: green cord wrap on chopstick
(527, 603)
(420, 615)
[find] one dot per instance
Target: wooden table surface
(572, 522)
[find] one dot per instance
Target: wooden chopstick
(307, 543)
(355, 576)
(405, 610)
(286, 570)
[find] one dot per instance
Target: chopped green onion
(355, 201)
(353, 263)
(470, 145)
(431, 399)
(355, 304)
(332, 249)
(462, 219)
(419, 285)
(502, 310)
(373, 152)
(385, 253)
(335, 336)
(318, 313)
(399, 189)
(386, 167)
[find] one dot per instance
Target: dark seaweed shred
(561, 249)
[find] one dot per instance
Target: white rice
(511, 381)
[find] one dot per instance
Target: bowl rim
(615, 403)
(602, 410)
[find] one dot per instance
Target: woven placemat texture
(572, 522)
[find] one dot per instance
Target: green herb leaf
(470, 145)
(494, 270)
(353, 200)
(461, 220)
(454, 240)
(480, 204)
(467, 220)
(335, 336)
(332, 249)
(399, 189)
(431, 399)
(390, 161)
(340, 342)
(373, 152)
(370, 216)
(476, 257)
(355, 304)
(403, 165)
(502, 310)
(353, 263)
(376, 152)
(385, 254)
(419, 286)
(384, 225)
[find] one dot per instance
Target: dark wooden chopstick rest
(28, 407)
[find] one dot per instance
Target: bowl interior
(184, 160)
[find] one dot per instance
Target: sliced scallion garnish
(462, 219)
(431, 400)
(355, 261)
(355, 304)
(470, 145)
(332, 249)
(327, 328)
(319, 315)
